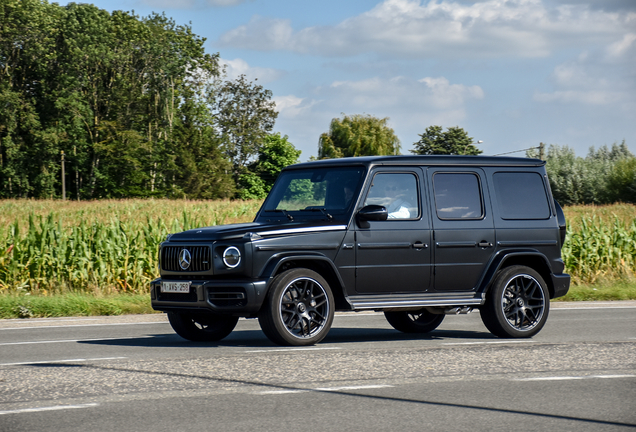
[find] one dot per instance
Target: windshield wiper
(290, 217)
(320, 209)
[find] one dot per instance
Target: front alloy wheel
(298, 310)
(517, 305)
(199, 327)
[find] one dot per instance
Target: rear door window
(458, 196)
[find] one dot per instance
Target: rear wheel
(518, 303)
(421, 321)
(299, 308)
(202, 327)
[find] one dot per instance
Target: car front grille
(200, 258)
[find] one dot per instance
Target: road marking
(564, 378)
(71, 340)
(61, 361)
(83, 325)
(589, 307)
(51, 408)
(293, 349)
(324, 389)
(488, 342)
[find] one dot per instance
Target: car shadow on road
(256, 338)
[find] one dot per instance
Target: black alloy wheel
(421, 321)
(202, 327)
(299, 308)
(518, 303)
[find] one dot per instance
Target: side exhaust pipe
(463, 310)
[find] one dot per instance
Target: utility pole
(63, 179)
(541, 151)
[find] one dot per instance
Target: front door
(394, 256)
(463, 227)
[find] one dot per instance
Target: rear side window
(457, 196)
(521, 195)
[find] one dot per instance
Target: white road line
(51, 408)
(71, 340)
(61, 361)
(323, 389)
(589, 307)
(83, 325)
(488, 342)
(565, 378)
(292, 349)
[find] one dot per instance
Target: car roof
(431, 160)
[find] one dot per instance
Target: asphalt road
(133, 373)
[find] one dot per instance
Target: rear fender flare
(529, 258)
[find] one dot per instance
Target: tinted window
(315, 189)
(457, 196)
(397, 192)
(521, 195)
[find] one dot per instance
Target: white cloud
(620, 48)
(291, 106)
(235, 68)
(412, 29)
(411, 105)
(604, 77)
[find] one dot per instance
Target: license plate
(175, 287)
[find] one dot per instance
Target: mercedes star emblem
(184, 259)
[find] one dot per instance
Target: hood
(258, 229)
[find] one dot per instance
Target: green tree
(275, 154)
(358, 135)
(126, 98)
(604, 176)
(455, 141)
(245, 114)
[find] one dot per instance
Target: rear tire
(517, 305)
(298, 310)
(202, 327)
(421, 321)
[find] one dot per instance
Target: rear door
(463, 227)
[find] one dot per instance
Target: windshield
(329, 191)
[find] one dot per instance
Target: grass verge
(605, 292)
(75, 304)
(62, 305)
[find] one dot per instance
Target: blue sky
(512, 73)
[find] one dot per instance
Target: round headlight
(232, 257)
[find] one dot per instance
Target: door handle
(484, 244)
(420, 245)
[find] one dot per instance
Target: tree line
(134, 107)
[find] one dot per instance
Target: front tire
(517, 305)
(421, 321)
(299, 308)
(202, 327)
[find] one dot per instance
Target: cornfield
(101, 247)
(106, 247)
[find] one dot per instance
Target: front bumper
(236, 297)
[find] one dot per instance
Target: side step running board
(364, 302)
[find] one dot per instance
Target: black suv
(416, 237)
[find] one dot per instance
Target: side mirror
(373, 213)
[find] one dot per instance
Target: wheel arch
(532, 259)
(318, 263)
